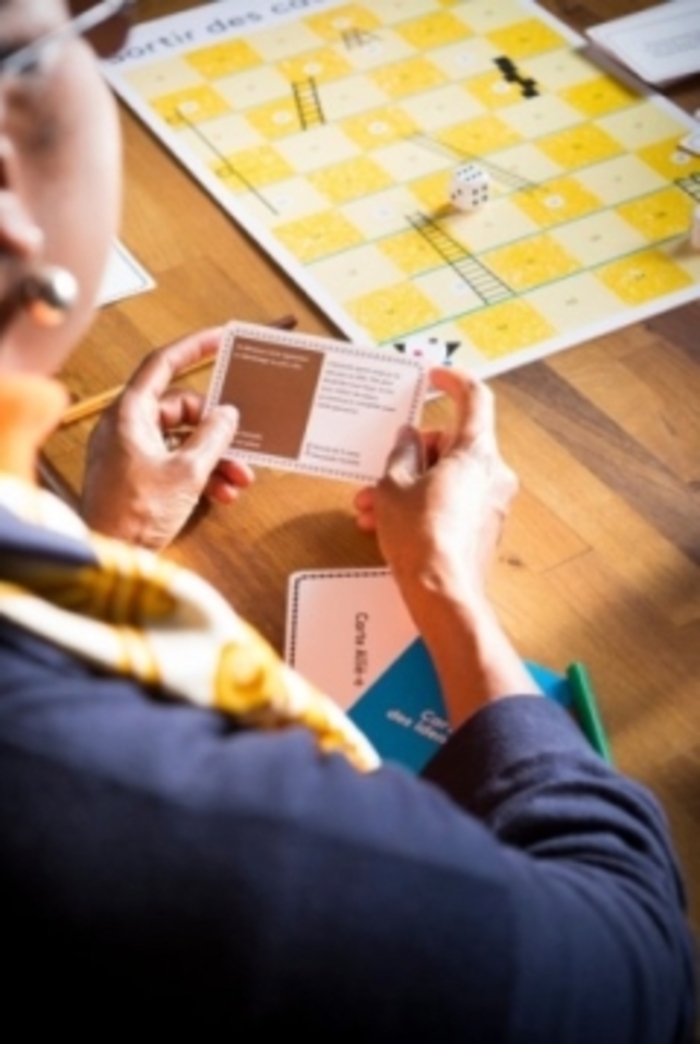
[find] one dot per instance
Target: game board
(330, 131)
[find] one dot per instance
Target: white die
(469, 187)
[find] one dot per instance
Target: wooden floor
(601, 557)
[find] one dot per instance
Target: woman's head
(59, 171)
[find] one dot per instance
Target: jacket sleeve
(157, 859)
(601, 890)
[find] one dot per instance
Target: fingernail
(231, 412)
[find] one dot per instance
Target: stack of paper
(660, 45)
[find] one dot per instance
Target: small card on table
(314, 404)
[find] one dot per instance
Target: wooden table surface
(600, 560)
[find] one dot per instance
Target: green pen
(585, 707)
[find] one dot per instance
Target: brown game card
(314, 404)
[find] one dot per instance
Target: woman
(163, 849)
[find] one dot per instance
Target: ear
(21, 239)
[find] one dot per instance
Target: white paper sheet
(660, 44)
(124, 276)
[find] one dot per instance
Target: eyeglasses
(105, 26)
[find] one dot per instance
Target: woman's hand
(438, 513)
(439, 509)
(136, 487)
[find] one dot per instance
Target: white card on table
(124, 276)
(350, 634)
(314, 404)
(363, 623)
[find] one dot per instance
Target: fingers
(219, 479)
(473, 400)
(406, 460)
(213, 436)
(363, 499)
(225, 487)
(235, 472)
(363, 503)
(185, 409)
(180, 408)
(161, 367)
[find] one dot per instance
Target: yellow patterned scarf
(130, 612)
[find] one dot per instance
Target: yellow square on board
(525, 39)
(436, 29)
(644, 277)
(390, 313)
(193, 105)
(408, 77)
(260, 166)
(505, 328)
(318, 235)
(433, 192)
(351, 179)
(379, 127)
(530, 262)
(411, 253)
(321, 66)
(667, 159)
(277, 118)
(478, 137)
(599, 96)
(559, 200)
(579, 146)
(660, 215)
(341, 20)
(223, 59)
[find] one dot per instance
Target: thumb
(214, 434)
(406, 460)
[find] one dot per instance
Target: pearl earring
(48, 293)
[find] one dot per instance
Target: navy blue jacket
(158, 863)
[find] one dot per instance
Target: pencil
(586, 708)
(94, 403)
